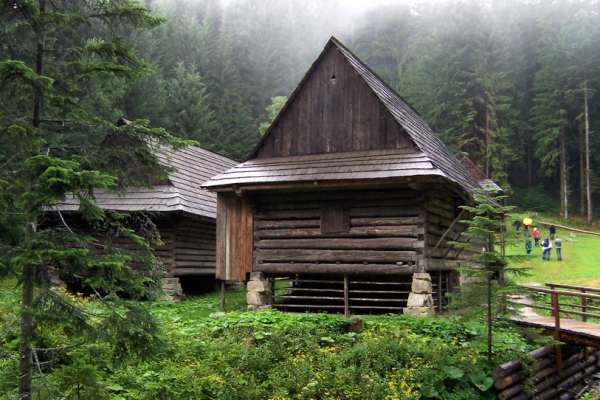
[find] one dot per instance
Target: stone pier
(420, 300)
(258, 292)
(172, 289)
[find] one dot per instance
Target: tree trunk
(588, 185)
(27, 322)
(487, 140)
(582, 175)
(564, 185)
(529, 167)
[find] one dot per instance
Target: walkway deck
(571, 331)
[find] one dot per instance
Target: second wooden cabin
(184, 215)
(347, 197)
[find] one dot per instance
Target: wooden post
(556, 314)
(346, 297)
(440, 290)
(586, 350)
(583, 306)
(222, 294)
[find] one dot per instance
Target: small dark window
(335, 219)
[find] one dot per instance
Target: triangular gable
(332, 110)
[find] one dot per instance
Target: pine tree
(60, 58)
(188, 105)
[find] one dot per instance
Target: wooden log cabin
(346, 196)
(184, 214)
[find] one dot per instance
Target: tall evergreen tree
(189, 115)
(56, 54)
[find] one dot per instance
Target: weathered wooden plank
(223, 229)
(290, 120)
(461, 254)
(368, 196)
(197, 264)
(435, 264)
(248, 239)
(196, 246)
(282, 224)
(363, 231)
(439, 220)
(334, 268)
(325, 97)
(384, 211)
(193, 271)
(341, 243)
(304, 103)
(391, 221)
(357, 203)
(315, 141)
(440, 211)
(209, 258)
(343, 256)
(441, 202)
(290, 214)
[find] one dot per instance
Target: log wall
(385, 233)
(443, 226)
(195, 246)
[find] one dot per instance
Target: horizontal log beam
(437, 264)
(333, 268)
(342, 256)
(396, 243)
(382, 231)
(194, 271)
(195, 264)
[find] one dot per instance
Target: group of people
(546, 244)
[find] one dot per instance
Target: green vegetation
(269, 355)
(578, 267)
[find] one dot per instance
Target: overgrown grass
(272, 355)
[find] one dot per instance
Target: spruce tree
(59, 59)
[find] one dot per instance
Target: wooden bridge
(570, 308)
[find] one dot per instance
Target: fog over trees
(510, 83)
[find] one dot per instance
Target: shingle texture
(430, 157)
(181, 193)
(366, 164)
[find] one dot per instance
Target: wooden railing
(566, 306)
(561, 303)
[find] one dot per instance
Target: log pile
(518, 380)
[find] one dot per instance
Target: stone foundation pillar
(420, 300)
(172, 289)
(258, 290)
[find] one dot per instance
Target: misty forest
(510, 83)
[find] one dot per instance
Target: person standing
(558, 246)
(546, 249)
(536, 237)
(517, 224)
(526, 223)
(528, 246)
(552, 230)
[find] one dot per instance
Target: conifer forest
(510, 83)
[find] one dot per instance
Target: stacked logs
(517, 380)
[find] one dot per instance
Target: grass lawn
(580, 265)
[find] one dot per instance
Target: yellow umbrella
(527, 221)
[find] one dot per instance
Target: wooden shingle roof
(482, 178)
(182, 191)
(426, 155)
